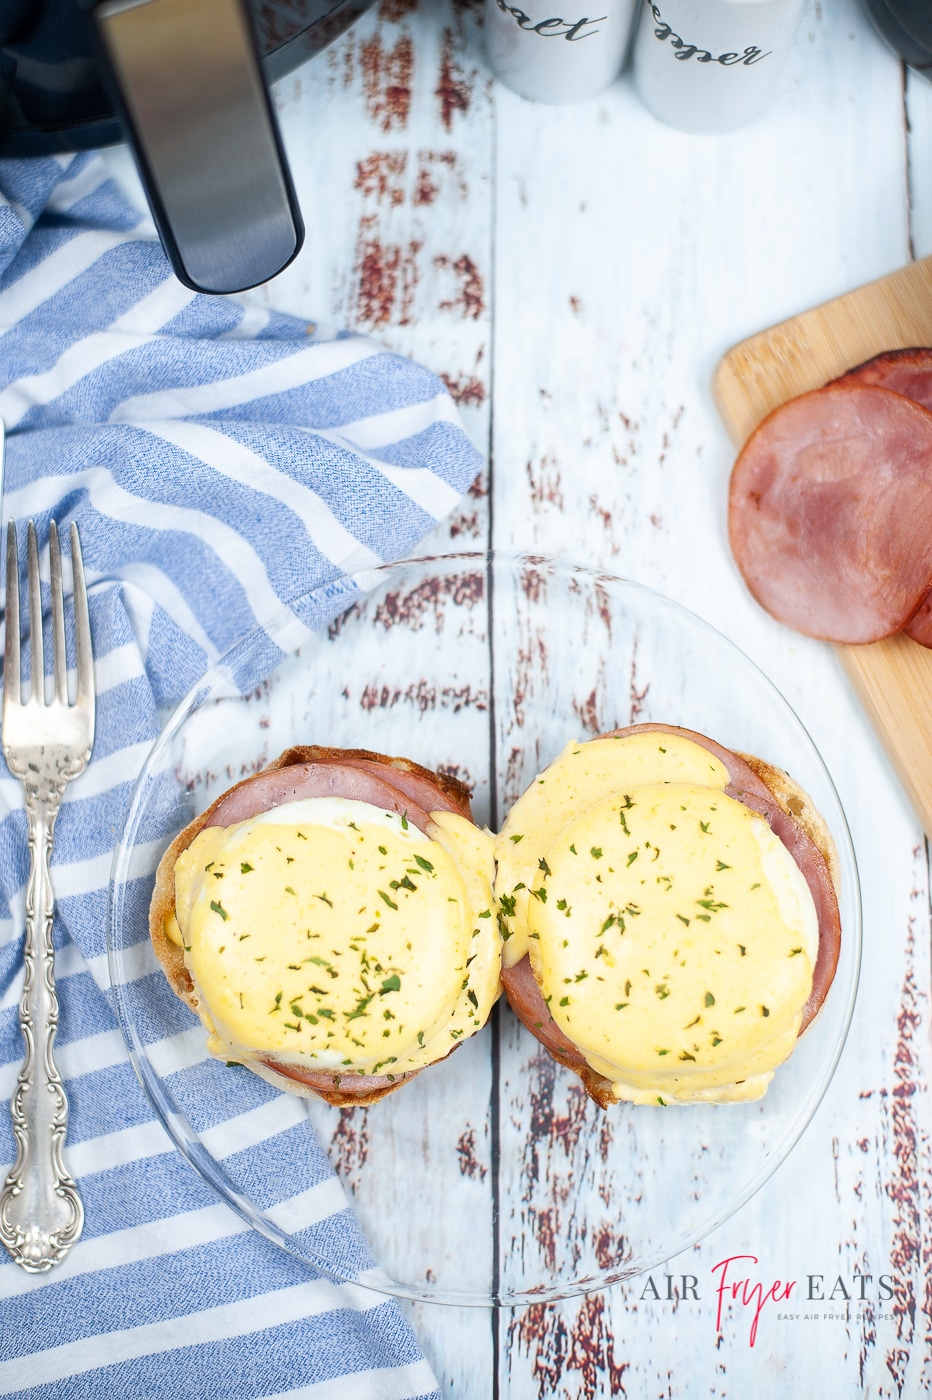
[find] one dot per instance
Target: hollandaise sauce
(331, 934)
(671, 933)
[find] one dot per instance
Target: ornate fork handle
(41, 1214)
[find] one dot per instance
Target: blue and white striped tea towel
(219, 462)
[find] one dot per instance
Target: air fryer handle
(200, 120)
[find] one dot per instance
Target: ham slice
(747, 786)
(906, 372)
(341, 1089)
(828, 512)
(909, 373)
(919, 626)
(392, 784)
(300, 780)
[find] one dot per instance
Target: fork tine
(82, 628)
(36, 649)
(11, 692)
(58, 617)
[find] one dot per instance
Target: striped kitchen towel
(219, 461)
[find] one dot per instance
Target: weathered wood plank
(658, 251)
(390, 138)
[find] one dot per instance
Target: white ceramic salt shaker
(557, 50)
(712, 65)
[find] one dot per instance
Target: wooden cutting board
(892, 678)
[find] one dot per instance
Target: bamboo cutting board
(892, 678)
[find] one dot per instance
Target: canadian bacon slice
(297, 781)
(828, 512)
(906, 372)
(919, 626)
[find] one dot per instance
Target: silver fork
(45, 746)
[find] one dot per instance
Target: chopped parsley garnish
(709, 999)
(391, 984)
(218, 908)
(360, 1008)
(388, 900)
(424, 864)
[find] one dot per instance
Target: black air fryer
(185, 81)
(907, 27)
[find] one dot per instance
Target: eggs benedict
(330, 921)
(669, 916)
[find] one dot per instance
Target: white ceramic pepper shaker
(551, 53)
(712, 65)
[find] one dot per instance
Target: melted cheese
(329, 934)
(672, 934)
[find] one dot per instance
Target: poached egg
(670, 932)
(329, 934)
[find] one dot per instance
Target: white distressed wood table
(574, 274)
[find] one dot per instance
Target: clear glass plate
(491, 1178)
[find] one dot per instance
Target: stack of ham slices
(830, 506)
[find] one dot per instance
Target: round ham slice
(300, 780)
(919, 626)
(745, 785)
(828, 512)
(906, 372)
(340, 1089)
